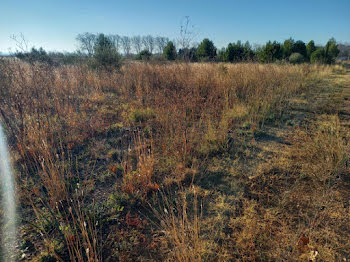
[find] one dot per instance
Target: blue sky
(54, 24)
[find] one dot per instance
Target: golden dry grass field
(180, 162)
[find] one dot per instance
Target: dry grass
(301, 193)
(183, 115)
(137, 178)
(80, 232)
(196, 106)
(180, 224)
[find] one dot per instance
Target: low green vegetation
(296, 58)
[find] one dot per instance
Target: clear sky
(54, 24)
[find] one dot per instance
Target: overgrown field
(180, 162)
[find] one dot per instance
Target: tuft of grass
(179, 222)
(138, 170)
(142, 115)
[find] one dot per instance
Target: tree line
(100, 50)
(289, 51)
(123, 44)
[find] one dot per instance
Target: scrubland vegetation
(179, 161)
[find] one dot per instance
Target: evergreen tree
(288, 47)
(248, 52)
(318, 56)
(235, 52)
(206, 50)
(144, 55)
(188, 54)
(331, 51)
(169, 52)
(271, 52)
(229, 53)
(300, 47)
(310, 48)
(105, 53)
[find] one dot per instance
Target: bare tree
(137, 43)
(145, 43)
(126, 44)
(87, 42)
(116, 40)
(161, 43)
(187, 33)
(21, 42)
(148, 42)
